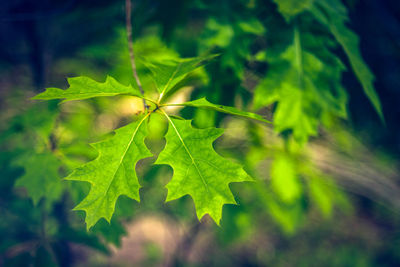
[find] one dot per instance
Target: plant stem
(128, 8)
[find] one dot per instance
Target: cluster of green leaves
(31, 163)
(198, 170)
(303, 82)
(305, 78)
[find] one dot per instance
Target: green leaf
(294, 113)
(168, 73)
(233, 38)
(290, 8)
(198, 170)
(41, 179)
(34, 126)
(333, 14)
(252, 26)
(284, 180)
(113, 172)
(217, 33)
(288, 216)
(84, 88)
(307, 88)
(204, 103)
(111, 232)
(323, 194)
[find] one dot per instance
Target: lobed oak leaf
(198, 170)
(112, 173)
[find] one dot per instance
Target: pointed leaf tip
(168, 73)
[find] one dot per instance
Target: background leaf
(290, 8)
(306, 87)
(41, 178)
(284, 179)
(333, 14)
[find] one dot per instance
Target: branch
(128, 8)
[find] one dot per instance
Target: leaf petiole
(204, 103)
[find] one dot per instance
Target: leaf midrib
(170, 79)
(123, 156)
(187, 149)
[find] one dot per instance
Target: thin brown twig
(128, 8)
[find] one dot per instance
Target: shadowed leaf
(41, 178)
(333, 14)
